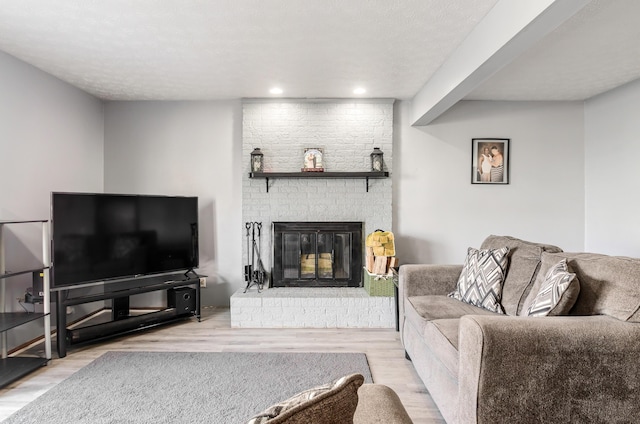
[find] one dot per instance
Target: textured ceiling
(594, 51)
(221, 49)
(218, 49)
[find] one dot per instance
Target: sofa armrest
(422, 280)
(551, 369)
(378, 403)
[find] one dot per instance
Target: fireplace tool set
(254, 273)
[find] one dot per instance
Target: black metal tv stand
(121, 322)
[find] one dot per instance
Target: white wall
(51, 139)
(438, 213)
(612, 154)
(185, 149)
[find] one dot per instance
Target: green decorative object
(378, 285)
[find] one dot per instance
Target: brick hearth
(311, 308)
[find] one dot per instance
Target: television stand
(121, 322)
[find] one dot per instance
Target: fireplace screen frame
(311, 240)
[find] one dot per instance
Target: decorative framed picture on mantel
(490, 160)
(313, 160)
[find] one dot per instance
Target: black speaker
(120, 308)
(36, 293)
(183, 299)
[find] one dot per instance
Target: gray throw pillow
(333, 403)
(482, 277)
(558, 292)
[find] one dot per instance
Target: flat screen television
(106, 237)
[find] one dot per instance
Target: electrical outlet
(203, 282)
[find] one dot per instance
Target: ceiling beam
(509, 29)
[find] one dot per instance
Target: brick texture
(311, 308)
(347, 131)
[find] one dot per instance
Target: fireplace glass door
(317, 254)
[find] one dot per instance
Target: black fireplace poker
(254, 274)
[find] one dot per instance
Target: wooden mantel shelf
(319, 175)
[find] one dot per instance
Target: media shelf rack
(121, 321)
(15, 367)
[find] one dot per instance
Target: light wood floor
(214, 334)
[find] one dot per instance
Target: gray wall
(612, 148)
(438, 213)
(51, 136)
(51, 139)
(184, 149)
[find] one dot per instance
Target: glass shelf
(27, 271)
(13, 368)
(9, 320)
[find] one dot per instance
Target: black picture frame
(490, 160)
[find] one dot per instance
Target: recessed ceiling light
(359, 90)
(276, 90)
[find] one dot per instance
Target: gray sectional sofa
(484, 367)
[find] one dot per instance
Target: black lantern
(377, 162)
(257, 164)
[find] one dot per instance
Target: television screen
(100, 237)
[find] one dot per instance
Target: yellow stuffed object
(382, 243)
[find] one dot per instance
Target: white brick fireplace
(347, 131)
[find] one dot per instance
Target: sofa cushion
(558, 292)
(331, 403)
(436, 319)
(609, 285)
(440, 307)
(442, 338)
(419, 310)
(481, 279)
(524, 259)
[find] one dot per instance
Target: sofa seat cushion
(524, 258)
(419, 310)
(429, 308)
(442, 337)
(609, 285)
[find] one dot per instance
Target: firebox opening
(317, 254)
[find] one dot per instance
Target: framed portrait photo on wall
(490, 160)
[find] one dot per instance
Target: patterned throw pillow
(333, 403)
(482, 277)
(558, 292)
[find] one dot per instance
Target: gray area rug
(177, 387)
